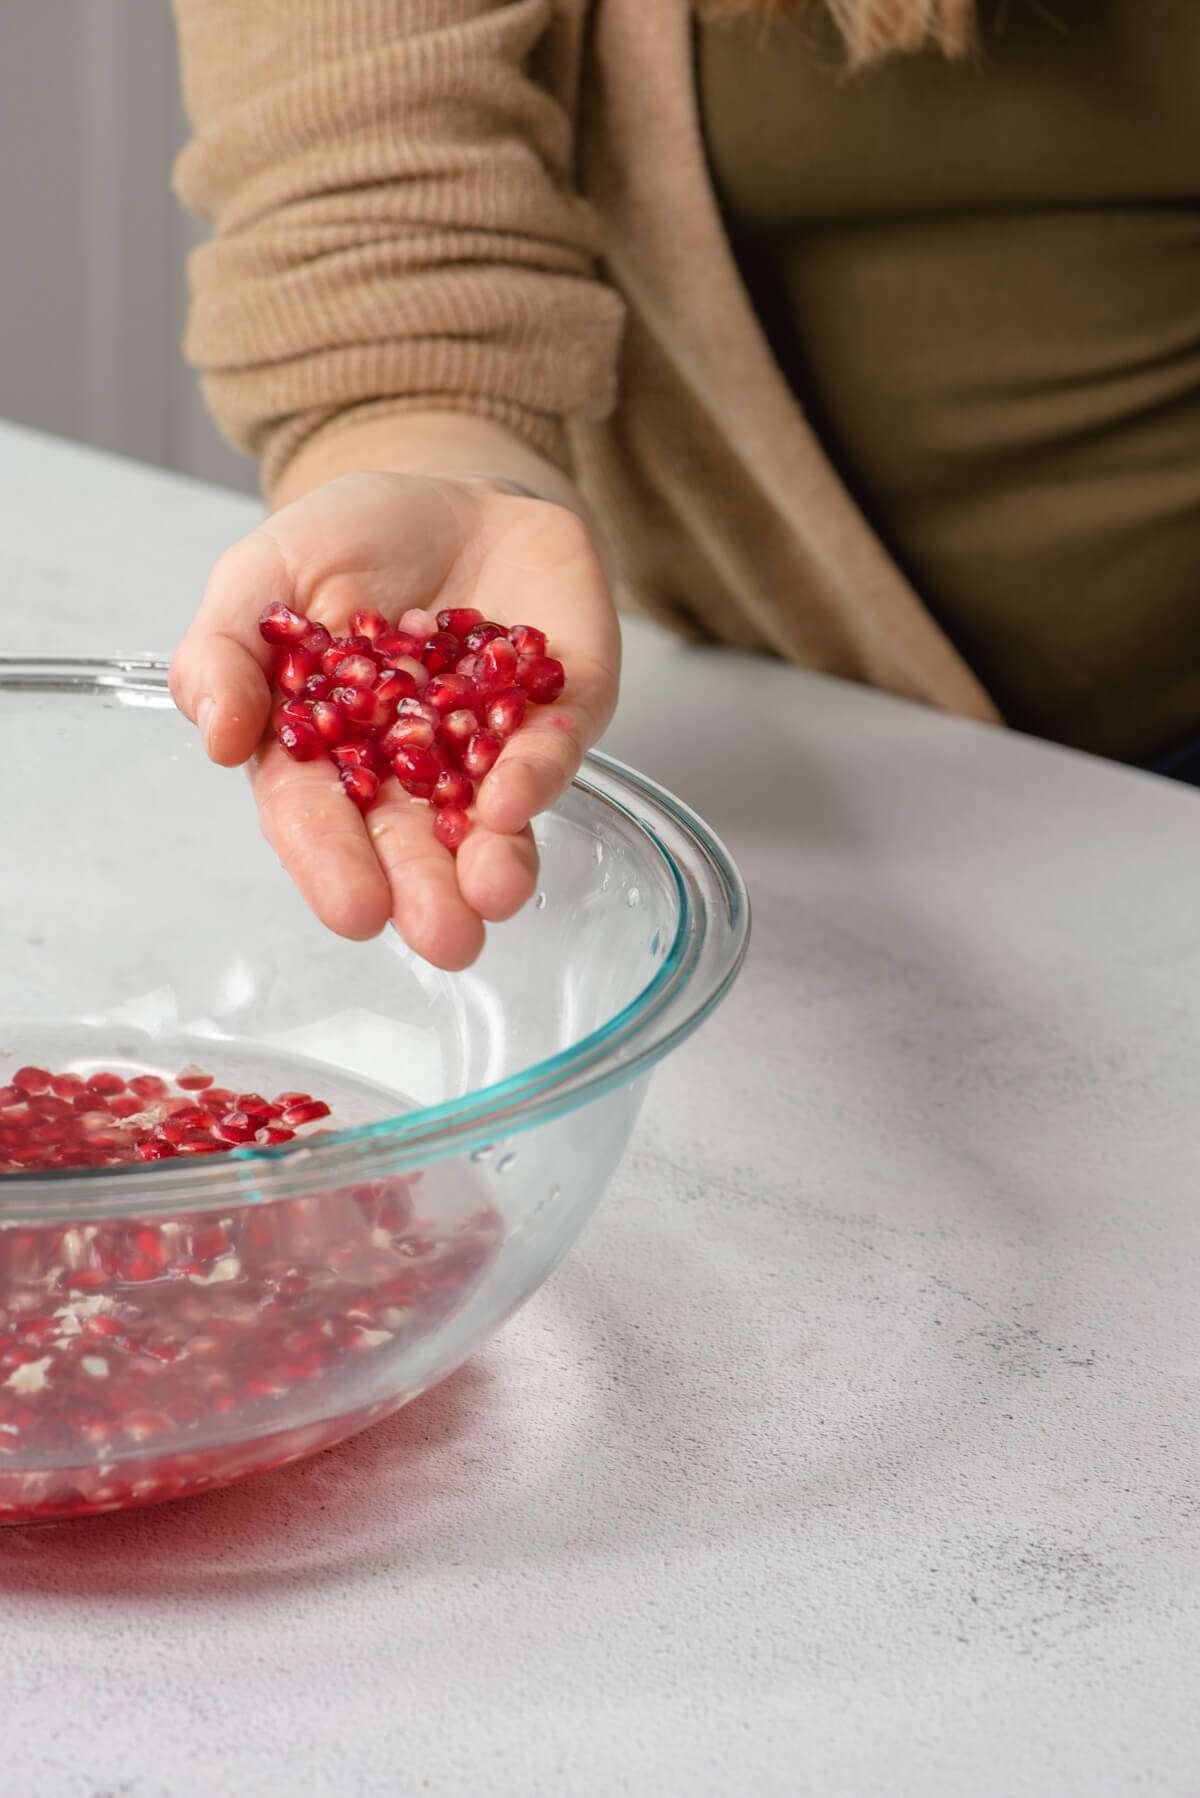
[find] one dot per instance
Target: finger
(426, 904)
(540, 761)
(497, 875)
(319, 836)
(220, 676)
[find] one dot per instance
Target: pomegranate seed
(417, 771)
(105, 1084)
(305, 1112)
(447, 692)
(330, 722)
(193, 1080)
(497, 666)
(153, 1149)
(452, 788)
(65, 1085)
(361, 785)
(395, 684)
(504, 713)
(295, 671)
(283, 1100)
(527, 640)
(316, 640)
(474, 640)
(271, 1135)
(317, 686)
(458, 620)
(366, 753)
(541, 677)
(440, 652)
(148, 1086)
(358, 703)
(356, 671)
(371, 625)
(31, 1080)
(409, 731)
(398, 643)
(255, 1105)
(451, 826)
(479, 756)
(279, 624)
(235, 1126)
(126, 1105)
(457, 729)
(301, 741)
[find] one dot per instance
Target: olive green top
(983, 282)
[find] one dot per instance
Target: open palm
(393, 543)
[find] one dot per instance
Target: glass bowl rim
(699, 967)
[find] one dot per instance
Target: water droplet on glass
(505, 1162)
(656, 942)
(633, 898)
(540, 902)
(555, 1193)
(598, 852)
(485, 1153)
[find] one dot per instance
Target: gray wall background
(93, 244)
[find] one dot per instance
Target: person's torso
(983, 281)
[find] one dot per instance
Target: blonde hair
(873, 28)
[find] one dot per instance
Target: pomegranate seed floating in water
(111, 1122)
(433, 712)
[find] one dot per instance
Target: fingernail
(206, 711)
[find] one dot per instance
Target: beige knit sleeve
(394, 222)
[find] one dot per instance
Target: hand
(394, 542)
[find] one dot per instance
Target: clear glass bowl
(171, 1326)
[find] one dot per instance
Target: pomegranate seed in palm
(331, 722)
(361, 785)
(451, 826)
(504, 713)
(410, 729)
(448, 692)
(416, 769)
(479, 756)
(358, 703)
(458, 620)
(497, 666)
(398, 643)
(440, 652)
(453, 788)
(317, 687)
(295, 671)
(279, 624)
(457, 729)
(474, 640)
(541, 677)
(356, 671)
(371, 625)
(301, 741)
(527, 640)
(316, 640)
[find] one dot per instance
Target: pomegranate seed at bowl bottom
(31, 1080)
(451, 826)
(305, 1111)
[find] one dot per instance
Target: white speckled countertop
(854, 1449)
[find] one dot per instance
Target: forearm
(453, 445)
